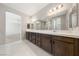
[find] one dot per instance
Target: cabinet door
(63, 49)
(38, 42)
(46, 43)
(28, 35)
(33, 38)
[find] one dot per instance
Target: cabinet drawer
(62, 38)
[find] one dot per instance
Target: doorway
(13, 27)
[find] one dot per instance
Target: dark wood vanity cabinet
(46, 42)
(56, 45)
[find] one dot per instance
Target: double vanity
(59, 43)
(57, 34)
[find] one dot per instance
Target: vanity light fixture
(54, 8)
(50, 10)
(33, 19)
(60, 6)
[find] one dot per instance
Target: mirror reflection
(73, 22)
(62, 19)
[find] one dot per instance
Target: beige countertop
(66, 33)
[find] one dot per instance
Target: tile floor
(25, 48)
(12, 38)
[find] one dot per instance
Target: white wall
(3, 10)
(2, 25)
(13, 24)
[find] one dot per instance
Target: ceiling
(27, 8)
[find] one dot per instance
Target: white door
(13, 27)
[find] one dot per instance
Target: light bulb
(60, 6)
(54, 8)
(50, 10)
